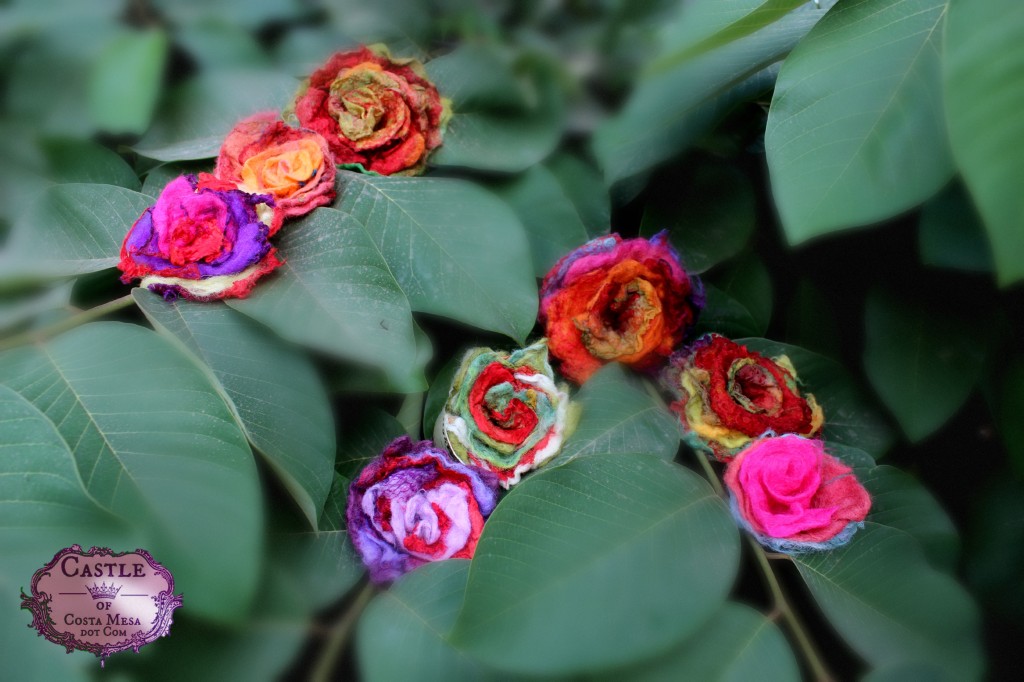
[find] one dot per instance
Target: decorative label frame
(73, 605)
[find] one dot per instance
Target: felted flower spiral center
(368, 105)
(282, 171)
(754, 387)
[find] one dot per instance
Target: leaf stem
(782, 606)
(709, 471)
(339, 635)
(37, 335)
(410, 414)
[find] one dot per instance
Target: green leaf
(585, 189)
(201, 111)
(811, 320)
(43, 503)
(337, 294)
(29, 309)
(552, 224)
(899, 501)
(125, 80)
(155, 444)
(923, 364)
(366, 439)
(704, 25)
(1009, 406)
(875, 144)
(669, 110)
(498, 122)
(83, 161)
(72, 229)
(414, 617)
(983, 91)
(437, 396)
(708, 210)
(333, 517)
(618, 415)
(455, 249)
(739, 300)
(738, 643)
(951, 235)
(216, 45)
(995, 553)
(910, 671)
(725, 315)
(850, 419)
(889, 605)
(600, 562)
(274, 390)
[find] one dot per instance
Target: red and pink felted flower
(262, 155)
(199, 242)
(793, 496)
(726, 395)
(617, 300)
(415, 504)
(373, 110)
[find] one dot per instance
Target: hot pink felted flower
(793, 496)
(262, 155)
(617, 300)
(199, 242)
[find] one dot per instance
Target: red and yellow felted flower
(727, 395)
(617, 300)
(263, 155)
(373, 110)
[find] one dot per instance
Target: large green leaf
(72, 229)
(886, 601)
(276, 394)
(365, 440)
(708, 210)
(455, 249)
(584, 186)
(200, 112)
(856, 131)
(737, 644)
(923, 363)
(983, 59)
(499, 123)
(600, 562)
(337, 294)
(71, 160)
(703, 25)
(415, 617)
(156, 445)
(125, 81)
(951, 235)
(618, 415)
(43, 502)
(850, 419)
(670, 109)
(739, 300)
(552, 224)
(900, 501)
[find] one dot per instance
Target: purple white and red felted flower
(617, 300)
(793, 496)
(414, 504)
(199, 242)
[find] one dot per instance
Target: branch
(339, 635)
(38, 335)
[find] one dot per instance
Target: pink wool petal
(789, 487)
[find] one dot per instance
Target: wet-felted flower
(726, 395)
(373, 110)
(263, 155)
(793, 496)
(414, 504)
(621, 300)
(199, 242)
(505, 412)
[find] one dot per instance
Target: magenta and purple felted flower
(200, 242)
(415, 504)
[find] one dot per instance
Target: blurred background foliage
(845, 176)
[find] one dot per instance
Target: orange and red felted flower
(727, 395)
(617, 300)
(262, 155)
(373, 110)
